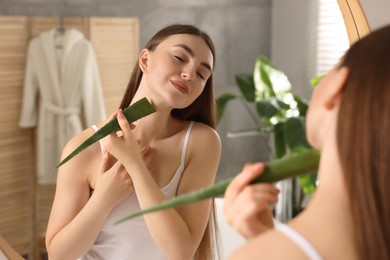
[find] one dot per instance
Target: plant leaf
(221, 104)
(279, 140)
(269, 81)
(265, 108)
(295, 133)
(132, 113)
(247, 86)
(308, 183)
(302, 105)
(314, 81)
(303, 162)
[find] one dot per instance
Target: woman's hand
(125, 148)
(113, 183)
(246, 207)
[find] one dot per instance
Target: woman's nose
(188, 73)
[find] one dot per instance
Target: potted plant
(280, 115)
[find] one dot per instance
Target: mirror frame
(355, 19)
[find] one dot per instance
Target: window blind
(331, 36)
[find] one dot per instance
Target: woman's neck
(157, 125)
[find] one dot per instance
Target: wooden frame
(25, 205)
(354, 18)
(7, 251)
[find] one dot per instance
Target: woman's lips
(181, 87)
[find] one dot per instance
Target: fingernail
(121, 115)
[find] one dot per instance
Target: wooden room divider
(25, 205)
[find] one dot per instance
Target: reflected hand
(147, 156)
(113, 183)
(123, 145)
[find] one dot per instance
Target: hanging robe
(62, 89)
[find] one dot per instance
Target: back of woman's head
(203, 109)
(364, 143)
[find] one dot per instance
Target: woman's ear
(336, 87)
(143, 60)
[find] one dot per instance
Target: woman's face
(178, 69)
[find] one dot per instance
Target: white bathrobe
(62, 90)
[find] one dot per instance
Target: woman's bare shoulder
(270, 245)
(76, 141)
(206, 133)
(85, 162)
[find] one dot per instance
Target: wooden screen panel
(25, 207)
(116, 45)
(45, 193)
(44, 23)
(16, 152)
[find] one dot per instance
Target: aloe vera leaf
(139, 109)
(303, 162)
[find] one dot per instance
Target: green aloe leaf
(139, 109)
(300, 163)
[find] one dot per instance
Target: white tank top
(299, 240)
(131, 239)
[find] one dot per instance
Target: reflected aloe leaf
(139, 109)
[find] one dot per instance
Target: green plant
(279, 111)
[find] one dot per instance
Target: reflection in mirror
(288, 29)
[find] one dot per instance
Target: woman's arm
(177, 232)
(76, 217)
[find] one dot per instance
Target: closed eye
(179, 58)
(200, 75)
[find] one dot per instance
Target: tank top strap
(100, 141)
(299, 240)
(186, 140)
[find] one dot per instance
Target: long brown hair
(203, 110)
(364, 143)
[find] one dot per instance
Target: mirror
(354, 18)
(237, 51)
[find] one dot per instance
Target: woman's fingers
(246, 207)
(104, 164)
(249, 172)
(252, 200)
(123, 123)
(147, 155)
(249, 212)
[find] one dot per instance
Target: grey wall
(377, 12)
(240, 30)
(292, 25)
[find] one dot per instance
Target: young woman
(170, 152)
(348, 121)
